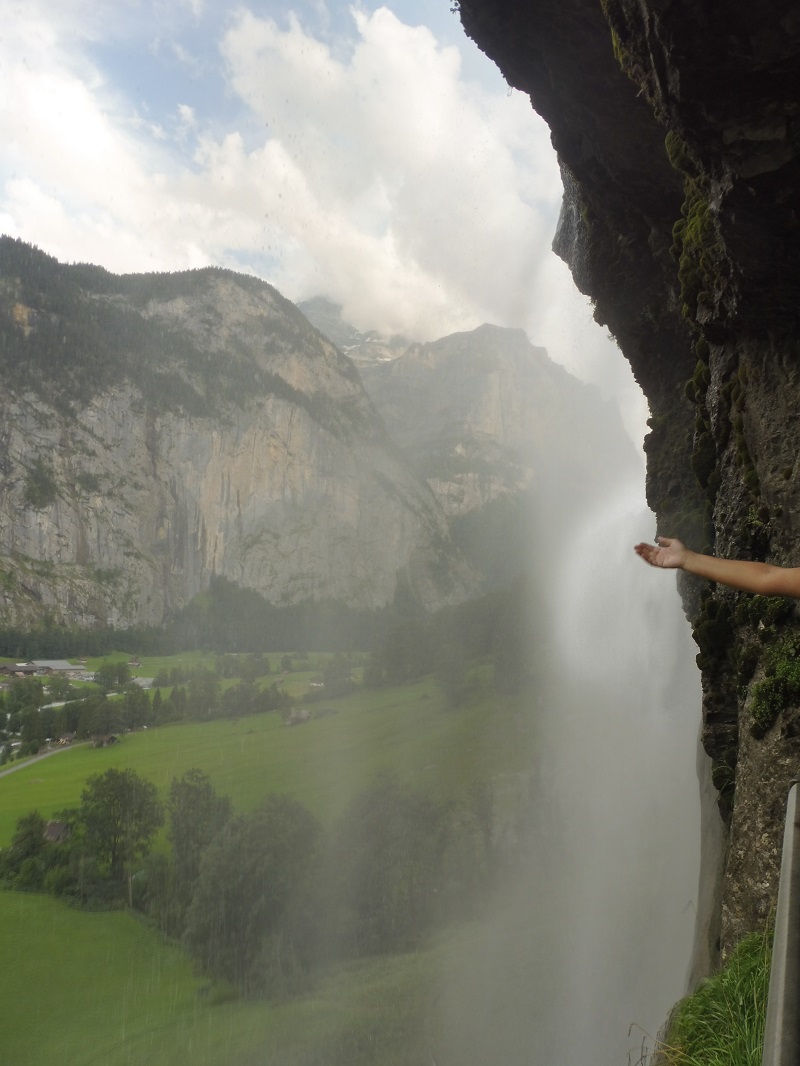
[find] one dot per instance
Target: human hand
(669, 553)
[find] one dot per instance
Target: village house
(49, 667)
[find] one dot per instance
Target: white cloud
(366, 167)
(380, 176)
(431, 178)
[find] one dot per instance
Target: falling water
(591, 943)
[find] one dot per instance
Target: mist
(590, 936)
(590, 942)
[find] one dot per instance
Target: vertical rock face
(489, 422)
(159, 430)
(678, 131)
(485, 415)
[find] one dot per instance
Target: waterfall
(620, 743)
(591, 943)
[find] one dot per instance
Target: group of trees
(273, 895)
(225, 618)
(203, 699)
(405, 643)
(90, 853)
(262, 899)
(498, 627)
(495, 628)
(196, 695)
(447, 644)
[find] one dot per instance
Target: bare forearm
(748, 576)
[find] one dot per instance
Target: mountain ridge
(221, 434)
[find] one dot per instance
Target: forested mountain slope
(158, 429)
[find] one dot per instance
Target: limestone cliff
(156, 430)
(488, 421)
(678, 131)
(485, 415)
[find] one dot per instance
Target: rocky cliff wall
(484, 416)
(678, 131)
(217, 433)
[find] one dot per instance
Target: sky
(364, 152)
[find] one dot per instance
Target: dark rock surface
(678, 131)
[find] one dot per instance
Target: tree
(337, 676)
(513, 641)
(385, 867)
(120, 813)
(405, 655)
(240, 699)
(28, 839)
(112, 675)
(59, 687)
(23, 694)
(98, 715)
(156, 711)
(21, 865)
(239, 925)
(203, 695)
(196, 815)
(136, 710)
(32, 730)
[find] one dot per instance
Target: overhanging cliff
(678, 131)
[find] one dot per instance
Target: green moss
(704, 449)
(746, 662)
(751, 480)
(755, 530)
(780, 687)
(713, 631)
(657, 423)
(702, 350)
(696, 242)
(762, 610)
(679, 154)
(704, 458)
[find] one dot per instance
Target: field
(104, 988)
(323, 763)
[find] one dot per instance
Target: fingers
(646, 552)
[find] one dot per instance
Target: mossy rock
(779, 688)
(704, 457)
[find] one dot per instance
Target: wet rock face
(678, 131)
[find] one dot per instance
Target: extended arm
(762, 578)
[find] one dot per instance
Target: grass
(323, 763)
(722, 1024)
(76, 984)
(104, 990)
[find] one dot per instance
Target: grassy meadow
(88, 989)
(324, 763)
(106, 989)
